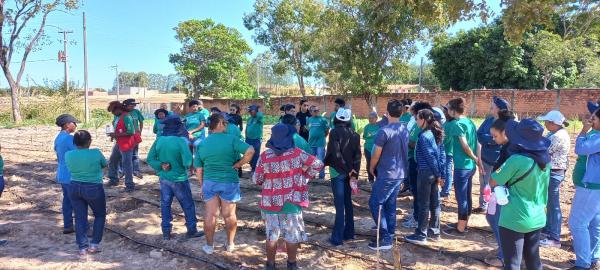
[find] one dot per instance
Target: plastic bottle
(501, 195)
(354, 186)
(487, 192)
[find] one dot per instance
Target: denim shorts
(229, 192)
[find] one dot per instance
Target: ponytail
(431, 124)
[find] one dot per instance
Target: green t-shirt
(369, 136)
(254, 127)
(158, 127)
(217, 154)
(317, 130)
(137, 118)
(233, 130)
(1, 165)
(288, 208)
(580, 167)
(173, 150)
(128, 121)
(412, 138)
(463, 127)
(526, 208)
(448, 148)
(405, 118)
(302, 144)
(333, 173)
(193, 120)
(85, 165)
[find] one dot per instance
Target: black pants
(429, 203)
(516, 246)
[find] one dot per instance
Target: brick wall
(571, 102)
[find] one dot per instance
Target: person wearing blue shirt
(63, 144)
(490, 150)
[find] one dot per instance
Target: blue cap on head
(501, 103)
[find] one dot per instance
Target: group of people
(414, 148)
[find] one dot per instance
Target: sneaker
(83, 252)
(415, 239)
(494, 261)
(594, 265)
(3, 242)
(454, 226)
(208, 249)
(480, 210)
(138, 175)
(194, 235)
(454, 232)
(434, 237)
(550, 243)
(229, 247)
(93, 249)
(68, 231)
(292, 265)
(384, 246)
(411, 223)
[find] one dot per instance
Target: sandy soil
(30, 219)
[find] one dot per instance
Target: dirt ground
(30, 219)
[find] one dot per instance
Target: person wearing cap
(318, 129)
(302, 116)
(369, 133)
(338, 103)
(489, 149)
(525, 175)
(465, 150)
(217, 160)
(138, 124)
(584, 220)
(283, 217)
(254, 132)
(389, 164)
(299, 142)
(235, 117)
(195, 121)
(171, 158)
(406, 115)
(343, 158)
(122, 152)
(560, 148)
(159, 116)
(63, 144)
(86, 191)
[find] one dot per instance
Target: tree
(550, 52)
(272, 72)
(157, 82)
(15, 19)
(211, 59)
(287, 27)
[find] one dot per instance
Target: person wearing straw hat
(524, 176)
(584, 220)
(63, 144)
(559, 150)
(281, 204)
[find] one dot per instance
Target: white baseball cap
(555, 117)
(343, 114)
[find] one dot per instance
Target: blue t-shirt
(63, 144)
(490, 151)
(393, 140)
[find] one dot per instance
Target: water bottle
(487, 192)
(491, 210)
(354, 186)
(501, 195)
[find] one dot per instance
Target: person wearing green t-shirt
(138, 124)
(171, 157)
(463, 133)
(525, 174)
(254, 132)
(195, 121)
(339, 103)
(449, 149)
(122, 152)
(369, 133)
(216, 161)
(318, 130)
(299, 141)
(159, 116)
(85, 190)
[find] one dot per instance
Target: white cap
(555, 117)
(343, 114)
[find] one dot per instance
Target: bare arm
(375, 159)
(245, 159)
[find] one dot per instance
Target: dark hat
(161, 111)
(592, 107)
(63, 119)
(130, 101)
(528, 134)
(501, 103)
(282, 138)
(173, 126)
(253, 107)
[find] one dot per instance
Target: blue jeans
(67, 208)
(445, 192)
(484, 180)
(255, 143)
(343, 229)
(368, 159)
(135, 159)
(83, 195)
(493, 222)
(183, 193)
(463, 185)
(553, 213)
(1, 184)
(429, 203)
(320, 154)
(413, 174)
(384, 192)
(113, 165)
(584, 223)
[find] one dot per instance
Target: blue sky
(138, 36)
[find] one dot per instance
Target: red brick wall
(525, 102)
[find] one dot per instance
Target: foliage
(288, 28)
(550, 54)
(211, 59)
(272, 72)
(400, 72)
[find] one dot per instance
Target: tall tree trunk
(371, 100)
(14, 96)
(301, 85)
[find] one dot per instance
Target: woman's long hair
(432, 124)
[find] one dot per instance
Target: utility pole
(117, 87)
(85, 73)
(66, 58)
(258, 77)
